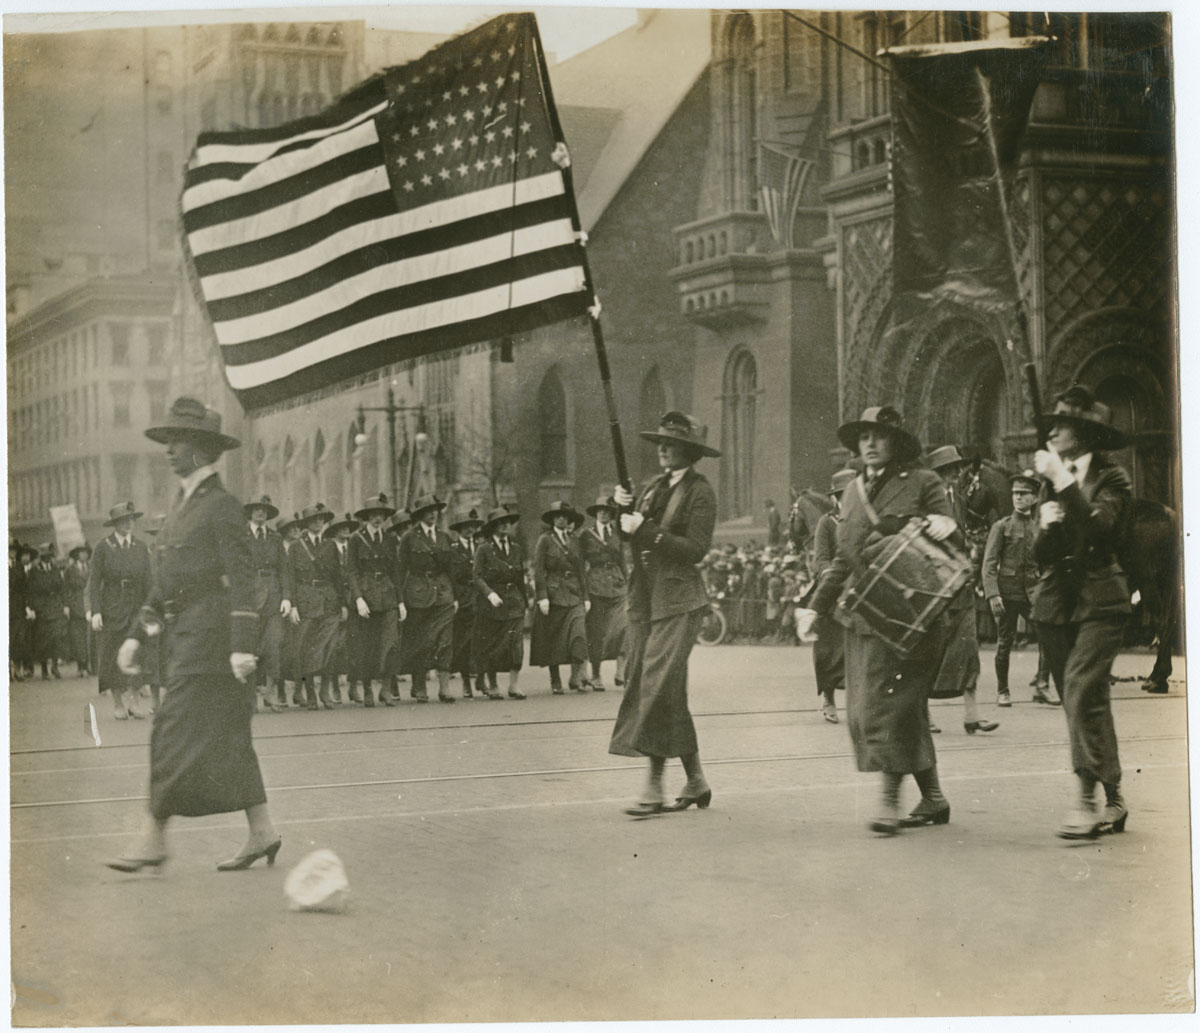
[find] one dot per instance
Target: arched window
(652, 403)
(738, 425)
(743, 114)
(552, 416)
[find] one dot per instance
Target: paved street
(494, 877)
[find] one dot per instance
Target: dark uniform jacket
(1080, 578)
(374, 577)
(674, 537)
(318, 583)
(824, 543)
(558, 573)
(906, 492)
(462, 571)
(272, 572)
(1009, 567)
(504, 575)
(424, 569)
(119, 584)
(47, 592)
(18, 591)
(203, 588)
(75, 582)
(605, 562)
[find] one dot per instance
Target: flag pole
(610, 401)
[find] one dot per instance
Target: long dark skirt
(48, 637)
(559, 638)
(320, 638)
(289, 655)
(371, 643)
(499, 644)
(886, 701)
(202, 760)
(607, 628)
(108, 642)
(77, 641)
(959, 670)
(654, 719)
(464, 636)
(427, 639)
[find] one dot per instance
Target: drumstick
(1035, 398)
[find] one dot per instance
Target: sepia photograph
(776, 412)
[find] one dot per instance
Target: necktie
(504, 546)
(1073, 470)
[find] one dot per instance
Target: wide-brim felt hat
(470, 518)
(191, 418)
(286, 525)
(425, 502)
(400, 520)
(263, 502)
(78, 549)
(498, 516)
(124, 511)
(154, 524)
(1026, 480)
(602, 502)
(47, 549)
(841, 480)
(881, 417)
(676, 426)
(317, 510)
(944, 456)
(27, 550)
(1090, 418)
(561, 508)
(347, 521)
(375, 504)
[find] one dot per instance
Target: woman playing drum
(886, 695)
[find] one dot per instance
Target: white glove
(630, 522)
(97, 622)
(66, 611)
(294, 616)
(403, 611)
(939, 527)
(587, 606)
(360, 604)
(30, 614)
(127, 662)
(1051, 466)
(1051, 513)
(345, 614)
(242, 665)
(494, 599)
(622, 497)
(544, 606)
(456, 606)
(285, 608)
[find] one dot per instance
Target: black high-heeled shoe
(135, 864)
(971, 727)
(244, 861)
(682, 803)
(922, 815)
(645, 810)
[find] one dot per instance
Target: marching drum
(909, 581)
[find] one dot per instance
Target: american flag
(783, 178)
(425, 210)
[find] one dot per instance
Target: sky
(565, 30)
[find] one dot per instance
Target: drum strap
(860, 482)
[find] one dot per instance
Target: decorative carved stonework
(866, 273)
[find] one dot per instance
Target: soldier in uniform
(75, 579)
(829, 650)
(1082, 599)
(462, 564)
(670, 530)
(272, 595)
(960, 667)
(119, 584)
(202, 759)
(151, 655)
(47, 599)
(560, 586)
(375, 589)
(343, 662)
(318, 608)
(20, 559)
(607, 621)
(427, 603)
(500, 603)
(1009, 576)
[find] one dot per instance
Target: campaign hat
(190, 418)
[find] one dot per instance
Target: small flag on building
(783, 178)
(425, 210)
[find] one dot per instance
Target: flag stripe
(389, 324)
(279, 167)
(372, 356)
(283, 280)
(340, 294)
(407, 302)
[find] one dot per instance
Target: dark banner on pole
(958, 114)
